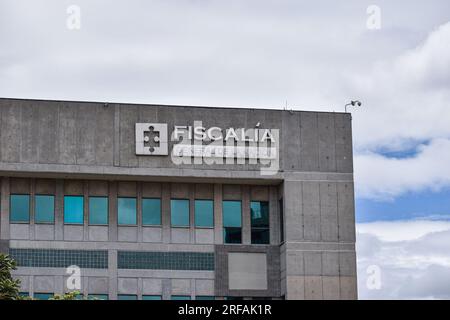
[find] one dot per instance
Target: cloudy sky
(312, 55)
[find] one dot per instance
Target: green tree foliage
(9, 288)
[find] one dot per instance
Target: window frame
(107, 211)
(142, 212)
(213, 219)
(189, 214)
(260, 228)
(232, 227)
(35, 207)
(64, 210)
(136, 213)
(29, 208)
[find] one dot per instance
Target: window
(73, 209)
(24, 294)
(98, 210)
(148, 297)
(179, 213)
(44, 209)
(204, 213)
(19, 208)
(259, 214)
(127, 297)
(98, 297)
(126, 211)
(205, 298)
(232, 221)
(151, 212)
(43, 296)
(180, 298)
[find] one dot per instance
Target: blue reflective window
(127, 297)
(73, 209)
(98, 297)
(204, 213)
(147, 297)
(126, 211)
(19, 208)
(42, 296)
(232, 214)
(179, 212)
(259, 213)
(205, 298)
(44, 209)
(151, 212)
(232, 221)
(98, 210)
(180, 297)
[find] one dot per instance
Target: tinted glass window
(179, 212)
(259, 213)
(146, 297)
(126, 211)
(19, 208)
(43, 296)
(44, 211)
(98, 297)
(127, 297)
(180, 298)
(98, 210)
(232, 216)
(204, 298)
(151, 211)
(204, 213)
(73, 209)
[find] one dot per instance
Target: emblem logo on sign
(151, 139)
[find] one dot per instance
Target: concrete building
(99, 186)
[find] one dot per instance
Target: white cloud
(380, 177)
(414, 262)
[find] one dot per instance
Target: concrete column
(274, 216)
(4, 213)
(112, 274)
(139, 210)
(86, 210)
(166, 289)
(32, 207)
(112, 213)
(246, 227)
(218, 222)
(165, 211)
(59, 210)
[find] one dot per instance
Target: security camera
(356, 102)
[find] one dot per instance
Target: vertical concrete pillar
(4, 212)
(59, 210)
(246, 227)
(165, 210)
(112, 213)
(218, 221)
(112, 274)
(166, 289)
(274, 216)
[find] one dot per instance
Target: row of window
(44, 212)
(47, 296)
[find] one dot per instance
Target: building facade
(125, 201)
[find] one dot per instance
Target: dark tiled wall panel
(51, 258)
(166, 260)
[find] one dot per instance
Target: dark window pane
(259, 214)
(73, 209)
(232, 235)
(126, 211)
(232, 216)
(147, 297)
(179, 212)
(43, 296)
(204, 213)
(260, 236)
(180, 298)
(44, 209)
(151, 211)
(205, 298)
(98, 297)
(98, 210)
(127, 297)
(19, 208)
